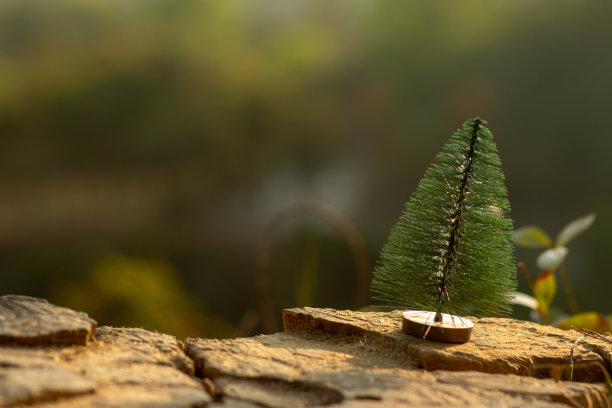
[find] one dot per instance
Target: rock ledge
(55, 357)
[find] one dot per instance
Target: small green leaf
(588, 320)
(532, 237)
(574, 228)
(551, 258)
(524, 299)
(544, 290)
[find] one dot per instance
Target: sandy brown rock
(140, 346)
(40, 383)
(287, 356)
(280, 394)
(363, 359)
(325, 358)
(527, 389)
(123, 368)
(473, 389)
(134, 396)
(99, 375)
(229, 402)
(29, 375)
(503, 346)
(268, 370)
(32, 321)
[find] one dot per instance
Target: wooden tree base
(422, 324)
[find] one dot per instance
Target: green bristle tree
(451, 250)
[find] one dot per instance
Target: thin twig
(591, 333)
(569, 292)
(586, 333)
(337, 220)
(571, 374)
(523, 268)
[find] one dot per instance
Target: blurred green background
(147, 146)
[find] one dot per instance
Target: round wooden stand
(452, 329)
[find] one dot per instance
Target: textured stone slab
(325, 358)
(530, 390)
(229, 402)
(503, 346)
(278, 394)
(135, 397)
(473, 389)
(141, 368)
(320, 368)
(64, 376)
(287, 356)
(26, 385)
(142, 346)
(123, 368)
(31, 321)
(29, 375)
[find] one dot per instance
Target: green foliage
(127, 291)
(550, 261)
(532, 236)
(588, 320)
(544, 290)
(174, 129)
(451, 250)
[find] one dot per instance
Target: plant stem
(586, 333)
(333, 217)
(569, 292)
(523, 268)
(571, 373)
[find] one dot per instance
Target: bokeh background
(152, 151)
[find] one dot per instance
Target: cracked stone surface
(51, 382)
(324, 358)
(502, 346)
(139, 345)
(116, 367)
(27, 320)
(368, 360)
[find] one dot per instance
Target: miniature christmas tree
(451, 250)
